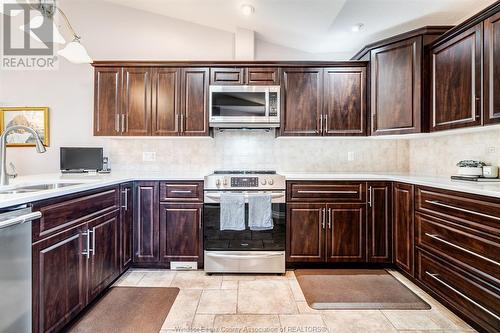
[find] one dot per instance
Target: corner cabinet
(150, 101)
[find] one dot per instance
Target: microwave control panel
(244, 181)
(273, 104)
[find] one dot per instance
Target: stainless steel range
(244, 251)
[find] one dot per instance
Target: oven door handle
(243, 256)
(217, 195)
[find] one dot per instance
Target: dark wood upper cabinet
(136, 101)
(194, 109)
(107, 100)
(492, 69)
(166, 101)
(146, 223)
(305, 232)
(345, 232)
(456, 81)
(396, 87)
(403, 226)
(263, 76)
(181, 232)
(380, 222)
(227, 76)
(344, 93)
(126, 225)
(302, 101)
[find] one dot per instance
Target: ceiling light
(357, 27)
(247, 9)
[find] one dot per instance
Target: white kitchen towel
(232, 211)
(260, 212)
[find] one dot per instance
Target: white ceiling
(315, 26)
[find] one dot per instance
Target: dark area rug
(355, 289)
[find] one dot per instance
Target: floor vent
(183, 265)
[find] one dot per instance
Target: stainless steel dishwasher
(15, 269)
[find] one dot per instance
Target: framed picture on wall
(34, 117)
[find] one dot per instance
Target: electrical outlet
(350, 156)
(492, 150)
(148, 156)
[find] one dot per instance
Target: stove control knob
(224, 182)
(217, 182)
(263, 182)
(270, 181)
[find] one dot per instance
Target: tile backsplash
(260, 150)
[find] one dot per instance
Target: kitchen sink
(37, 188)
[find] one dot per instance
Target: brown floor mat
(334, 289)
(125, 309)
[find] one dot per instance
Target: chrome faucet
(40, 148)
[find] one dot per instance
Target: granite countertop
(89, 182)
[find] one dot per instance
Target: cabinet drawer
(263, 76)
(223, 76)
(181, 191)
(478, 251)
(472, 210)
(60, 213)
(463, 291)
(326, 191)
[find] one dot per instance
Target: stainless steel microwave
(244, 106)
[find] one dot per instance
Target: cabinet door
(180, 232)
(344, 101)
(396, 88)
(456, 81)
(166, 103)
(126, 224)
(136, 101)
(346, 233)
(380, 222)
(492, 69)
(104, 264)
(268, 76)
(302, 100)
(194, 114)
(59, 275)
(146, 223)
(305, 230)
(227, 76)
(107, 100)
(403, 220)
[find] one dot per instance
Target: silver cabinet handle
(181, 191)
(125, 199)
(370, 196)
(117, 123)
(87, 250)
(326, 192)
(326, 123)
(182, 123)
(20, 219)
(329, 218)
(461, 248)
(323, 218)
(437, 203)
(124, 129)
(177, 122)
(321, 124)
(92, 233)
(435, 277)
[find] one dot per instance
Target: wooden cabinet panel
(492, 69)
(194, 111)
(460, 290)
(146, 223)
(263, 76)
(165, 101)
(396, 87)
(380, 222)
(326, 191)
(104, 264)
(344, 101)
(136, 101)
(59, 279)
(181, 191)
(302, 101)
(346, 233)
(227, 76)
(305, 232)
(403, 224)
(180, 232)
(107, 100)
(456, 81)
(126, 224)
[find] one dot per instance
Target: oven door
(232, 106)
(245, 240)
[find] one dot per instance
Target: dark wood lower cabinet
(146, 223)
(403, 224)
(126, 225)
(181, 232)
(305, 232)
(379, 222)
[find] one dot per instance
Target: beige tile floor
(271, 303)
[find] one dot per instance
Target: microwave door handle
(267, 102)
